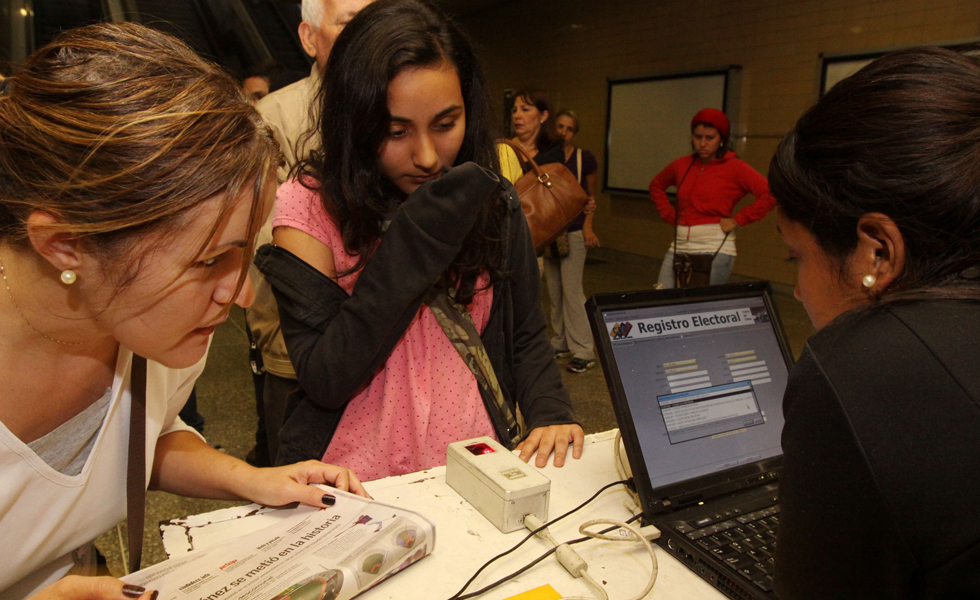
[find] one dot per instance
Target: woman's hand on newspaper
(279, 486)
(554, 437)
(74, 587)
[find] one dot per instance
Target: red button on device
(479, 449)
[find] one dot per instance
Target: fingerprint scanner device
(497, 483)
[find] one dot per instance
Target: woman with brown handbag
(709, 182)
(534, 127)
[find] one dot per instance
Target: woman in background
(878, 491)
(563, 274)
(709, 182)
(534, 127)
(133, 178)
(395, 238)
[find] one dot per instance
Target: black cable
(457, 595)
(536, 561)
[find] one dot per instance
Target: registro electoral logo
(621, 331)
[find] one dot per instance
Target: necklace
(3, 273)
(531, 150)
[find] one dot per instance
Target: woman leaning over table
(563, 274)
(879, 490)
(133, 178)
(710, 182)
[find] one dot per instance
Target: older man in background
(290, 113)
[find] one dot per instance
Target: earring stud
(869, 281)
(68, 277)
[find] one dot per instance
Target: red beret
(714, 116)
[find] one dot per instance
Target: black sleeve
(539, 390)
(337, 342)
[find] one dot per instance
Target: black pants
(271, 392)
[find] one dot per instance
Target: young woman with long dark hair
(878, 192)
(403, 266)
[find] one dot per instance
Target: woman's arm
(658, 192)
(335, 341)
(544, 401)
(754, 183)
(311, 250)
(185, 465)
(591, 239)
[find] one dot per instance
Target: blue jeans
(721, 270)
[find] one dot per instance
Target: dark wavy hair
(386, 38)
(548, 134)
(900, 137)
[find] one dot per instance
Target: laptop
(696, 378)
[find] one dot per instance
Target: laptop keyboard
(743, 538)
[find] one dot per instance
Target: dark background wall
(570, 47)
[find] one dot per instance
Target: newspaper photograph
(331, 553)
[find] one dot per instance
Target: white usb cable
(576, 565)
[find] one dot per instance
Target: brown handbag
(550, 198)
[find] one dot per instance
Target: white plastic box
(497, 483)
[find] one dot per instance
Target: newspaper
(332, 553)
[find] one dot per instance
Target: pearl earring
(68, 277)
(869, 281)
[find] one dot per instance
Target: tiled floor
(226, 400)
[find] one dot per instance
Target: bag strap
(459, 327)
(725, 239)
(136, 468)
(677, 210)
(578, 164)
(525, 158)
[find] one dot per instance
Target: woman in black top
(878, 190)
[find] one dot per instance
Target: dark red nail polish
(328, 500)
(133, 591)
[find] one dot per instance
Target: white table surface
(465, 539)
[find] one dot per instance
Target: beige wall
(570, 48)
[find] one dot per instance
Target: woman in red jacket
(710, 182)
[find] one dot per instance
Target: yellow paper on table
(545, 592)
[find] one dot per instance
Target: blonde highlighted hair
(117, 131)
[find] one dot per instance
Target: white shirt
(703, 239)
(45, 515)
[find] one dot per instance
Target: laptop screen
(703, 381)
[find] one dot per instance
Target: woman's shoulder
(873, 348)
(300, 205)
(682, 162)
(589, 161)
(294, 189)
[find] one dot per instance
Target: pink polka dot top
(423, 398)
